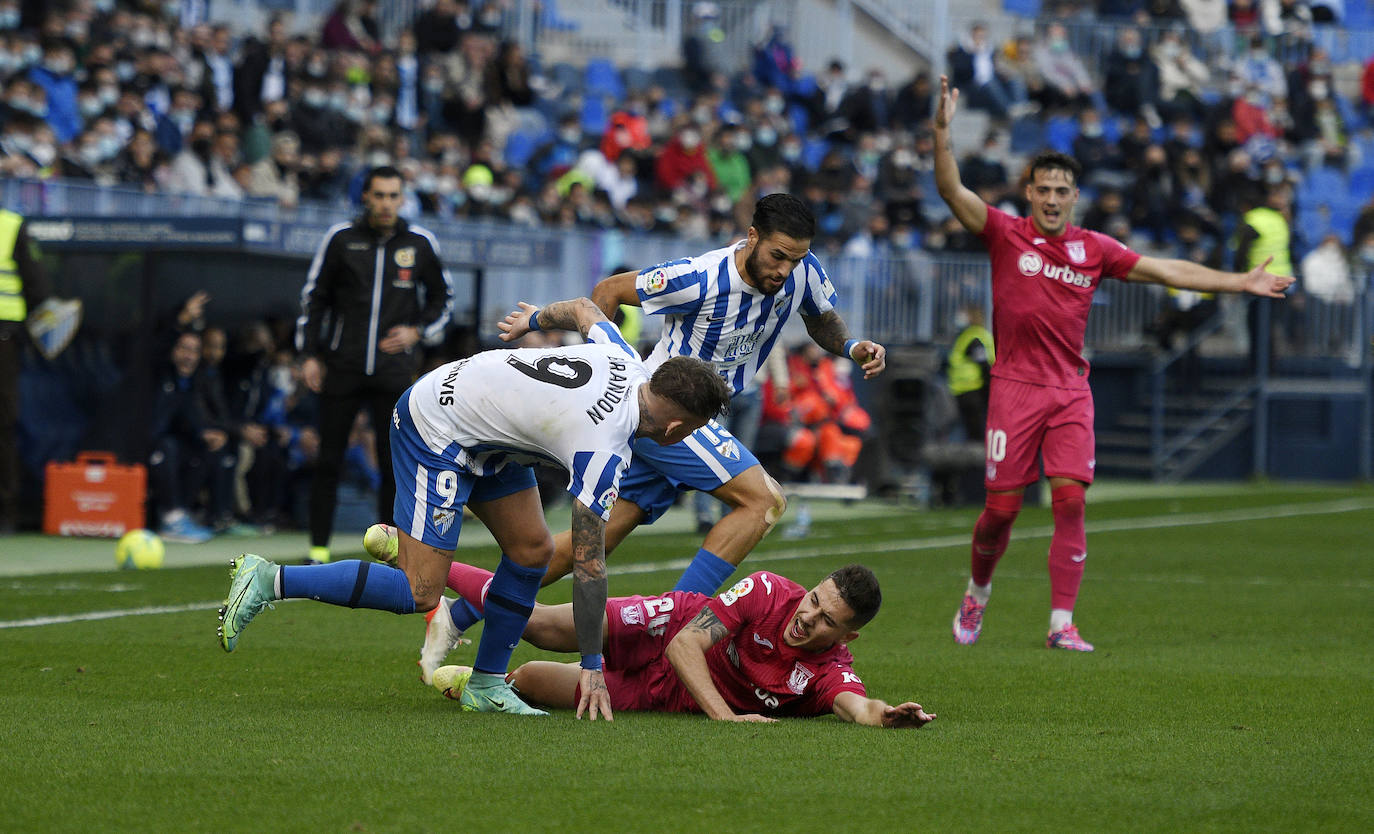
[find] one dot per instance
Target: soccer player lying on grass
(766, 647)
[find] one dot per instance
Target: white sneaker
(441, 637)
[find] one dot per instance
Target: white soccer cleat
(381, 543)
(441, 637)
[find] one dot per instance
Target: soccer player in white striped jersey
(463, 436)
(726, 307)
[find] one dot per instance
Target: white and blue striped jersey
(575, 407)
(712, 314)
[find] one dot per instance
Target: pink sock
(470, 583)
(1069, 547)
(991, 534)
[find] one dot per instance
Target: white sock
(276, 583)
(1060, 619)
(980, 593)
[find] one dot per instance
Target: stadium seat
(813, 151)
(594, 115)
(1362, 182)
(566, 76)
(672, 82)
(1022, 8)
(1027, 135)
(521, 145)
(1060, 131)
(602, 79)
(1322, 185)
(549, 18)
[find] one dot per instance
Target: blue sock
(706, 574)
(510, 601)
(354, 583)
(464, 615)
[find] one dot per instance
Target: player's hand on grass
(516, 323)
(755, 719)
(906, 715)
(944, 111)
(595, 697)
(1258, 281)
(871, 356)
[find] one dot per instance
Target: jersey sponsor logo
(799, 678)
(1077, 253)
(850, 677)
(443, 519)
(657, 282)
(728, 449)
(1030, 264)
(632, 615)
(1066, 275)
(405, 257)
(358, 246)
(608, 498)
(763, 641)
(742, 588)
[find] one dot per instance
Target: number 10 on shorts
(996, 445)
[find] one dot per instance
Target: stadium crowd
(1196, 112)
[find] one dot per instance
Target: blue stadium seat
(1060, 131)
(1362, 181)
(813, 151)
(594, 115)
(1027, 135)
(549, 18)
(1024, 8)
(602, 79)
(1322, 185)
(566, 76)
(521, 145)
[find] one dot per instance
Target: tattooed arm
(589, 607)
(687, 653)
(967, 206)
(830, 332)
(577, 314)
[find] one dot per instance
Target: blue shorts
(431, 490)
(708, 458)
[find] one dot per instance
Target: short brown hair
(858, 588)
(1053, 160)
(692, 384)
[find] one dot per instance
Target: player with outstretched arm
(1044, 273)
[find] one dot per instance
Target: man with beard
(727, 307)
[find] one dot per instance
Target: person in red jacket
(683, 156)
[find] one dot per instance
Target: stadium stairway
(1124, 447)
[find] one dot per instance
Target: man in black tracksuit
(375, 289)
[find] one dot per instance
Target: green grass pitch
(1232, 690)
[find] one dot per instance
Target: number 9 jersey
(574, 407)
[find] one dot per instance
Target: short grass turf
(1231, 690)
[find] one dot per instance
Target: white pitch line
(836, 549)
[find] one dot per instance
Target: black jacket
(360, 286)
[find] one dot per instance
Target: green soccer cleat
(250, 591)
(381, 543)
(491, 693)
(452, 680)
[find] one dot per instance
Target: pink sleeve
(1117, 260)
(993, 226)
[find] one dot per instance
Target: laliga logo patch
(1077, 253)
(741, 588)
(657, 282)
(608, 499)
(992, 471)
(405, 257)
(728, 449)
(1029, 263)
(443, 519)
(632, 615)
(799, 678)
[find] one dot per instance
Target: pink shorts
(638, 629)
(1028, 421)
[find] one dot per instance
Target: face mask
(426, 184)
(446, 185)
(316, 69)
(109, 146)
(877, 85)
(1169, 50)
(766, 136)
(377, 159)
(774, 105)
(316, 98)
(903, 159)
(90, 154)
(109, 95)
(1367, 254)
(381, 115)
(1318, 89)
(743, 142)
(701, 115)
(31, 54)
(1092, 130)
(435, 86)
(89, 107)
(691, 140)
(104, 6)
(1059, 45)
(76, 30)
(355, 114)
(1131, 52)
(570, 135)
(280, 379)
(960, 320)
(9, 19)
(791, 153)
(43, 154)
(125, 72)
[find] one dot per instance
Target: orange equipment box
(94, 496)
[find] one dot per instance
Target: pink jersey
(1042, 289)
(753, 669)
